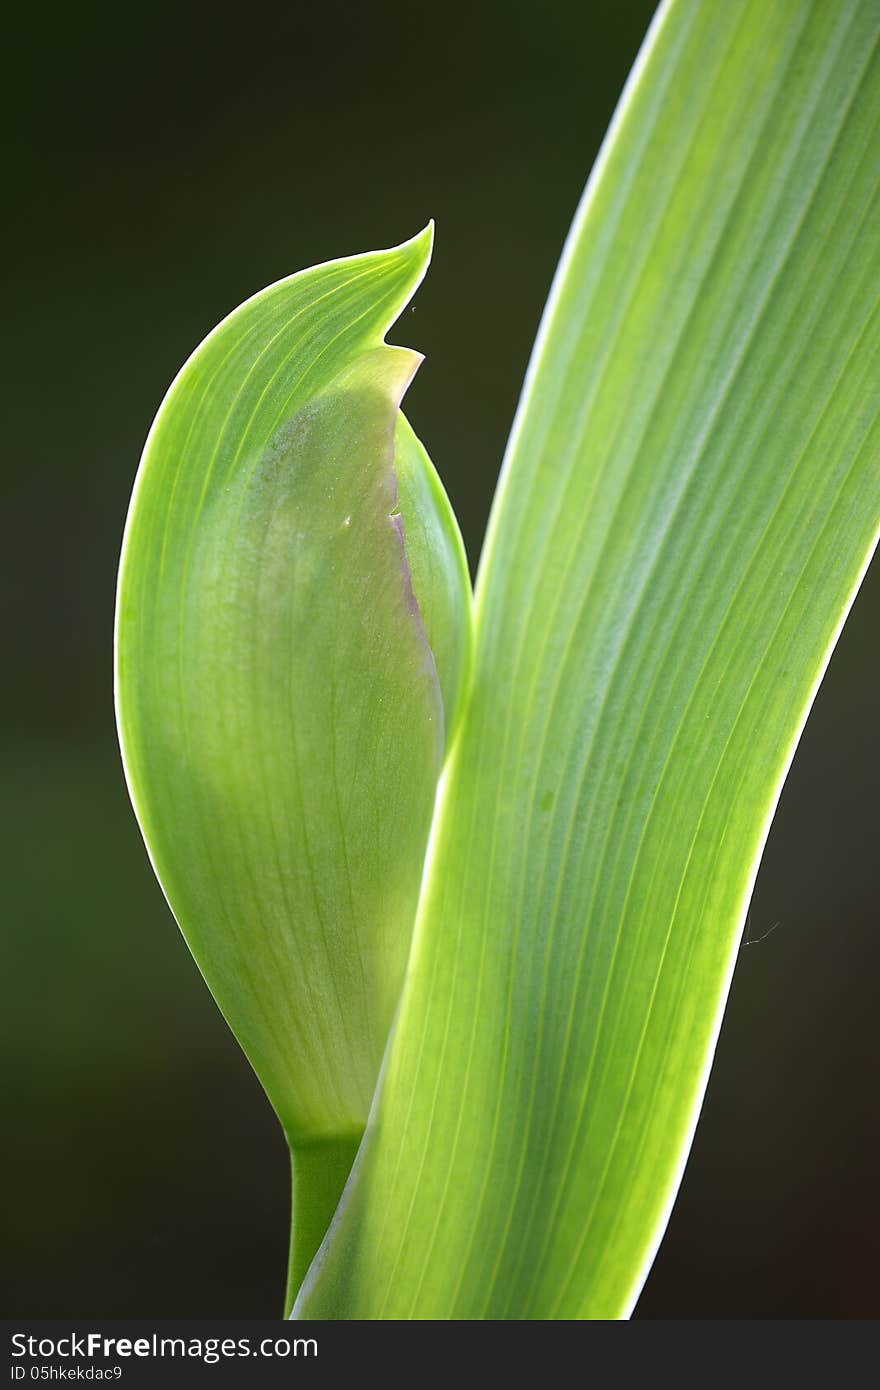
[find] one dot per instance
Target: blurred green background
(165, 163)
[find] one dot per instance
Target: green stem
(318, 1172)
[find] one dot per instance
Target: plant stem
(318, 1174)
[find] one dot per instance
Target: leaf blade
(697, 451)
(278, 705)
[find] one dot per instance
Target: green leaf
(689, 500)
(279, 706)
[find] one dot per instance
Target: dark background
(166, 163)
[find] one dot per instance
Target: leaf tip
(417, 251)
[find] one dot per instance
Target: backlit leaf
(689, 500)
(279, 702)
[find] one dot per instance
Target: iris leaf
(688, 503)
(279, 703)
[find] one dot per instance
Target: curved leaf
(278, 702)
(689, 500)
